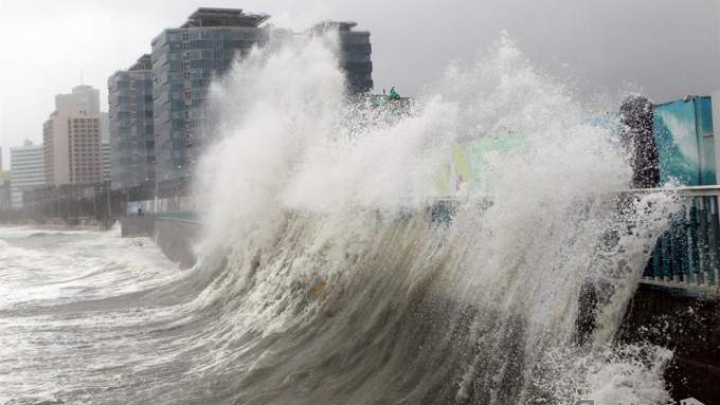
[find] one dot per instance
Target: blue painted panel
(683, 132)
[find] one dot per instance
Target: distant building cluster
(158, 122)
(75, 139)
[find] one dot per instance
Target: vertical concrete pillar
(636, 117)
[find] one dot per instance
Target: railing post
(666, 269)
(703, 233)
(673, 249)
(694, 246)
(714, 248)
(657, 273)
(682, 237)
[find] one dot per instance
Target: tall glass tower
(132, 135)
(184, 61)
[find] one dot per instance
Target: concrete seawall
(690, 326)
(176, 238)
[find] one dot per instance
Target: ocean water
(321, 278)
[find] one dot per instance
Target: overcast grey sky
(667, 48)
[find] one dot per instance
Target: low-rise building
(27, 168)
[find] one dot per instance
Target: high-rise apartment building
(131, 125)
(72, 148)
(184, 61)
(85, 148)
(72, 138)
(27, 170)
(355, 53)
(82, 98)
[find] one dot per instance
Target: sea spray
(358, 298)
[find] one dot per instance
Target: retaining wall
(176, 238)
(689, 325)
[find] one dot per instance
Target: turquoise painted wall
(683, 131)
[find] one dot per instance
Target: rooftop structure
(143, 63)
(82, 98)
(324, 26)
(224, 17)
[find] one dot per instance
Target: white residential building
(73, 152)
(27, 170)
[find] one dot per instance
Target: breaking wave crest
(354, 291)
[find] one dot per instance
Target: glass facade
(132, 133)
(356, 53)
(184, 62)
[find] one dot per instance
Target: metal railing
(687, 256)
